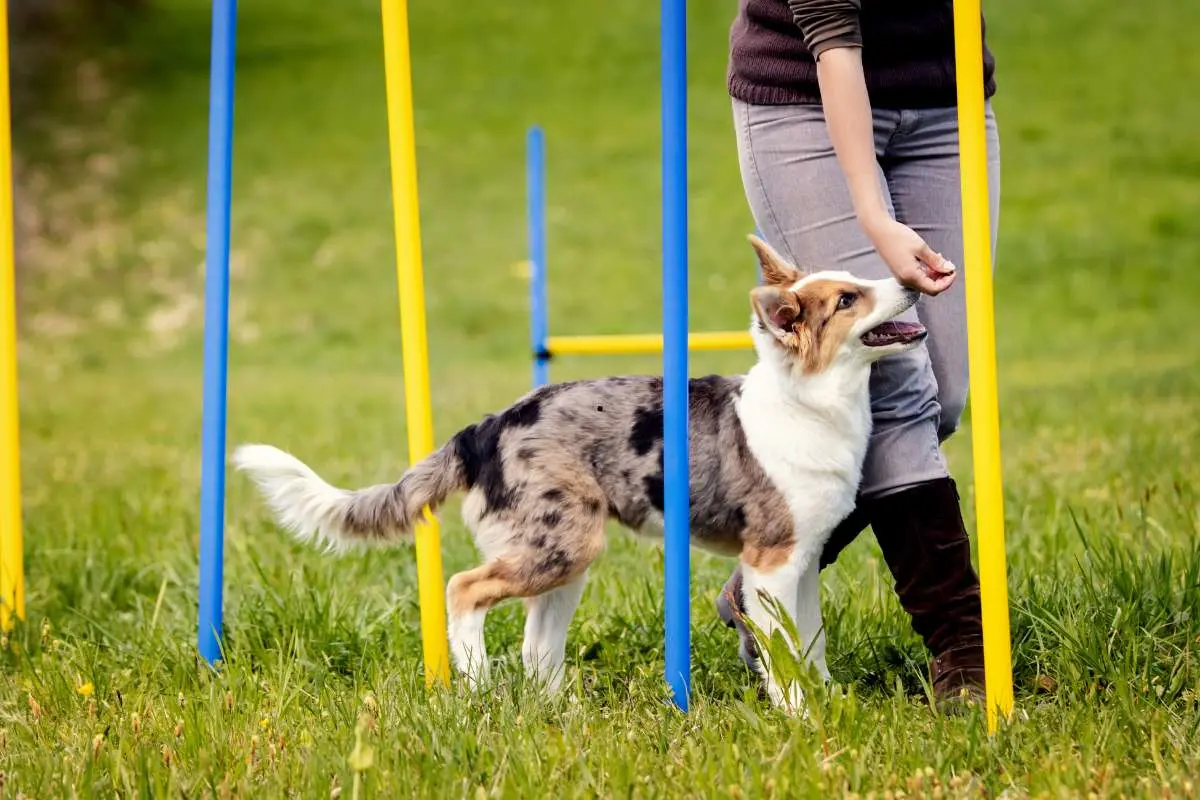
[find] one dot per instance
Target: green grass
(102, 692)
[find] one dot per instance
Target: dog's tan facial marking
(831, 309)
(814, 321)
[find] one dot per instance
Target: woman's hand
(848, 118)
(911, 260)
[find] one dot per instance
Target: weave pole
(12, 548)
(535, 192)
(216, 328)
(402, 151)
(981, 343)
(676, 510)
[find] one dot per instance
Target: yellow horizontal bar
(625, 343)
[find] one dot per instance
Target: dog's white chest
(814, 461)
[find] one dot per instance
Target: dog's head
(817, 320)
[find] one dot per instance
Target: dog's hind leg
(547, 618)
(469, 596)
(559, 541)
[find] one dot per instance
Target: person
(846, 126)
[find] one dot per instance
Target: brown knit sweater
(907, 50)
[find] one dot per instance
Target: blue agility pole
(676, 510)
(216, 328)
(535, 182)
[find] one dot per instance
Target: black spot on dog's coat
(551, 519)
(524, 414)
(592, 505)
(478, 448)
(553, 495)
(466, 449)
(647, 429)
(654, 490)
(557, 562)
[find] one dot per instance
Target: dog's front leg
(809, 626)
(781, 583)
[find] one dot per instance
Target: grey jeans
(801, 204)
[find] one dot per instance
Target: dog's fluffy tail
(340, 519)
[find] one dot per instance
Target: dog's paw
(788, 699)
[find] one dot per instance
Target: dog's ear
(775, 270)
(778, 309)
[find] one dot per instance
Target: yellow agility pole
(981, 343)
(628, 343)
(402, 148)
(12, 551)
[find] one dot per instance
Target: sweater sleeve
(827, 23)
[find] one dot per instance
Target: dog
(775, 461)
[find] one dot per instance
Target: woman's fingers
(936, 273)
(934, 261)
(928, 280)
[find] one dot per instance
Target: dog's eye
(846, 300)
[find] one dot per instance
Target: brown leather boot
(731, 603)
(924, 542)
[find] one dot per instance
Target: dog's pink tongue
(897, 328)
(892, 332)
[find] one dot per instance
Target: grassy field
(102, 692)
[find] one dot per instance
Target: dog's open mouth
(894, 333)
